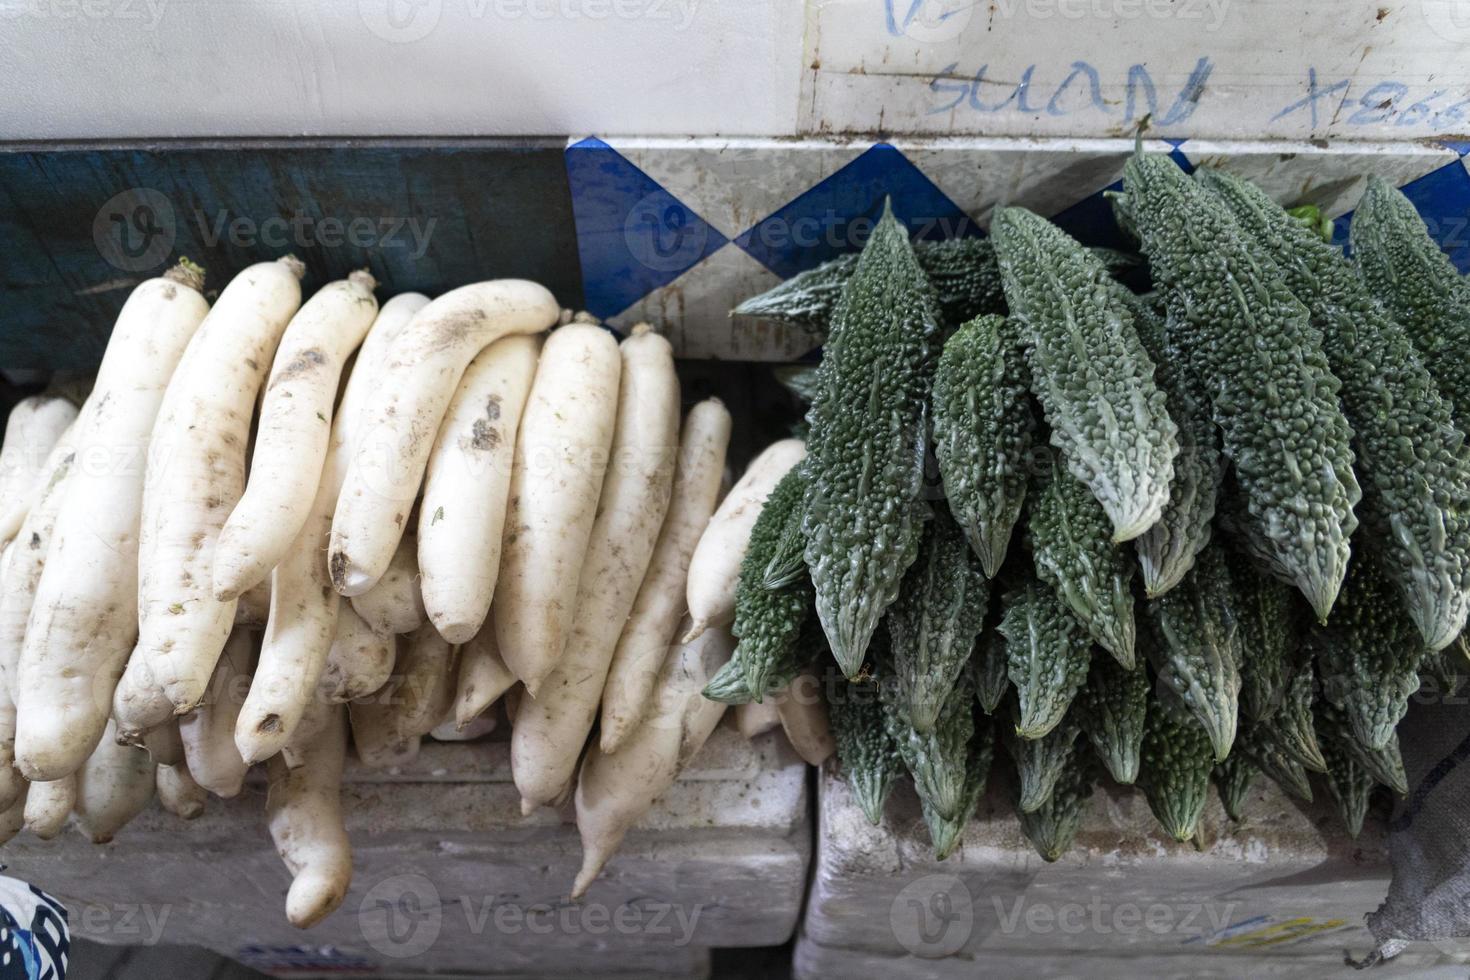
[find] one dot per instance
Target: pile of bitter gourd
(1211, 531)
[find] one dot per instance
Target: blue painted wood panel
(80, 226)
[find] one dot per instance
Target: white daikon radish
(83, 622)
(360, 660)
(208, 732)
(462, 516)
(305, 609)
(292, 433)
(49, 804)
(114, 786)
(13, 817)
(314, 720)
(714, 569)
(298, 637)
(25, 559)
(483, 677)
(395, 604)
(366, 375)
(179, 793)
(164, 744)
(614, 791)
(388, 725)
(424, 365)
(375, 733)
(426, 689)
(304, 808)
(12, 783)
(803, 714)
(512, 700)
(450, 730)
(649, 633)
(561, 457)
(253, 607)
(552, 728)
(757, 718)
(196, 473)
(138, 701)
(32, 429)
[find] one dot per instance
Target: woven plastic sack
(1429, 833)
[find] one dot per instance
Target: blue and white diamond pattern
(678, 231)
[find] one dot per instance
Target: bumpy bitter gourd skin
(1052, 827)
(1271, 390)
(1074, 555)
(1047, 656)
(729, 685)
(865, 463)
(1368, 654)
(962, 272)
(1266, 753)
(868, 755)
(1175, 770)
(1415, 476)
(1110, 708)
(1197, 650)
(1167, 551)
(1090, 371)
(1040, 762)
(1266, 631)
(944, 832)
(1233, 779)
(1350, 783)
(938, 761)
(933, 624)
(988, 664)
(1418, 284)
(1290, 726)
(1385, 764)
(768, 622)
(984, 431)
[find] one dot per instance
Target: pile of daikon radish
(509, 513)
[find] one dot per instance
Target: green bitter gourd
(1110, 708)
(1416, 480)
(1386, 764)
(984, 429)
(1175, 770)
(1052, 827)
(1167, 551)
(1089, 370)
(932, 626)
(862, 515)
(944, 832)
(962, 273)
(1271, 390)
(990, 669)
(1409, 274)
(1368, 654)
(1233, 779)
(1196, 651)
(938, 760)
(1074, 554)
(868, 755)
(1350, 783)
(768, 622)
(1040, 762)
(1047, 656)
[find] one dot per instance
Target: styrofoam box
(450, 879)
(1283, 893)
